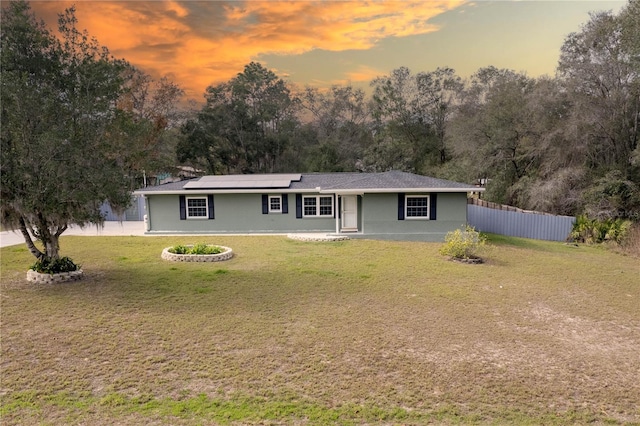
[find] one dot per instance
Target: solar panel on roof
(258, 177)
(244, 181)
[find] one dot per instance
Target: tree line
(565, 144)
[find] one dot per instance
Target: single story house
(389, 205)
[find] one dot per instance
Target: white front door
(349, 213)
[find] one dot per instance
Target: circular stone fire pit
(173, 257)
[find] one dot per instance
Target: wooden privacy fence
(507, 220)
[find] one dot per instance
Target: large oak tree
(65, 139)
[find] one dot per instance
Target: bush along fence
(507, 220)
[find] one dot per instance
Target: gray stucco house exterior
(388, 205)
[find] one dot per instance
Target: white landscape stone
(61, 277)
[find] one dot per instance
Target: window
(310, 206)
(275, 204)
(417, 207)
(197, 208)
(317, 206)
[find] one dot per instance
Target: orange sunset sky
(320, 43)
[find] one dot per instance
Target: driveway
(12, 238)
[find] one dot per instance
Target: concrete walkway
(130, 228)
(317, 236)
(12, 238)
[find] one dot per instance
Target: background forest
(564, 145)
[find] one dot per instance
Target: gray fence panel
(133, 213)
(517, 224)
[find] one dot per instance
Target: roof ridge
(351, 181)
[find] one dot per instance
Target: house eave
(227, 191)
(294, 187)
(396, 190)
(306, 191)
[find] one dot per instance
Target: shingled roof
(391, 181)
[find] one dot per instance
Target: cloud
(363, 74)
(200, 43)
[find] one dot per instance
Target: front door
(349, 213)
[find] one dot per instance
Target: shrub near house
(463, 245)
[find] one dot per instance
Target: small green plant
(179, 249)
(205, 249)
(461, 244)
(200, 248)
(55, 266)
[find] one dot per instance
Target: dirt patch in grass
(350, 332)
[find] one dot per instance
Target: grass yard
(350, 332)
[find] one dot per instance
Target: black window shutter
(433, 200)
(298, 206)
(183, 208)
(265, 204)
(285, 203)
(339, 207)
(401, 206)
(210, 203)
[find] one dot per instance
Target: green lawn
(322, 333)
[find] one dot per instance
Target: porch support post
(337, 215)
